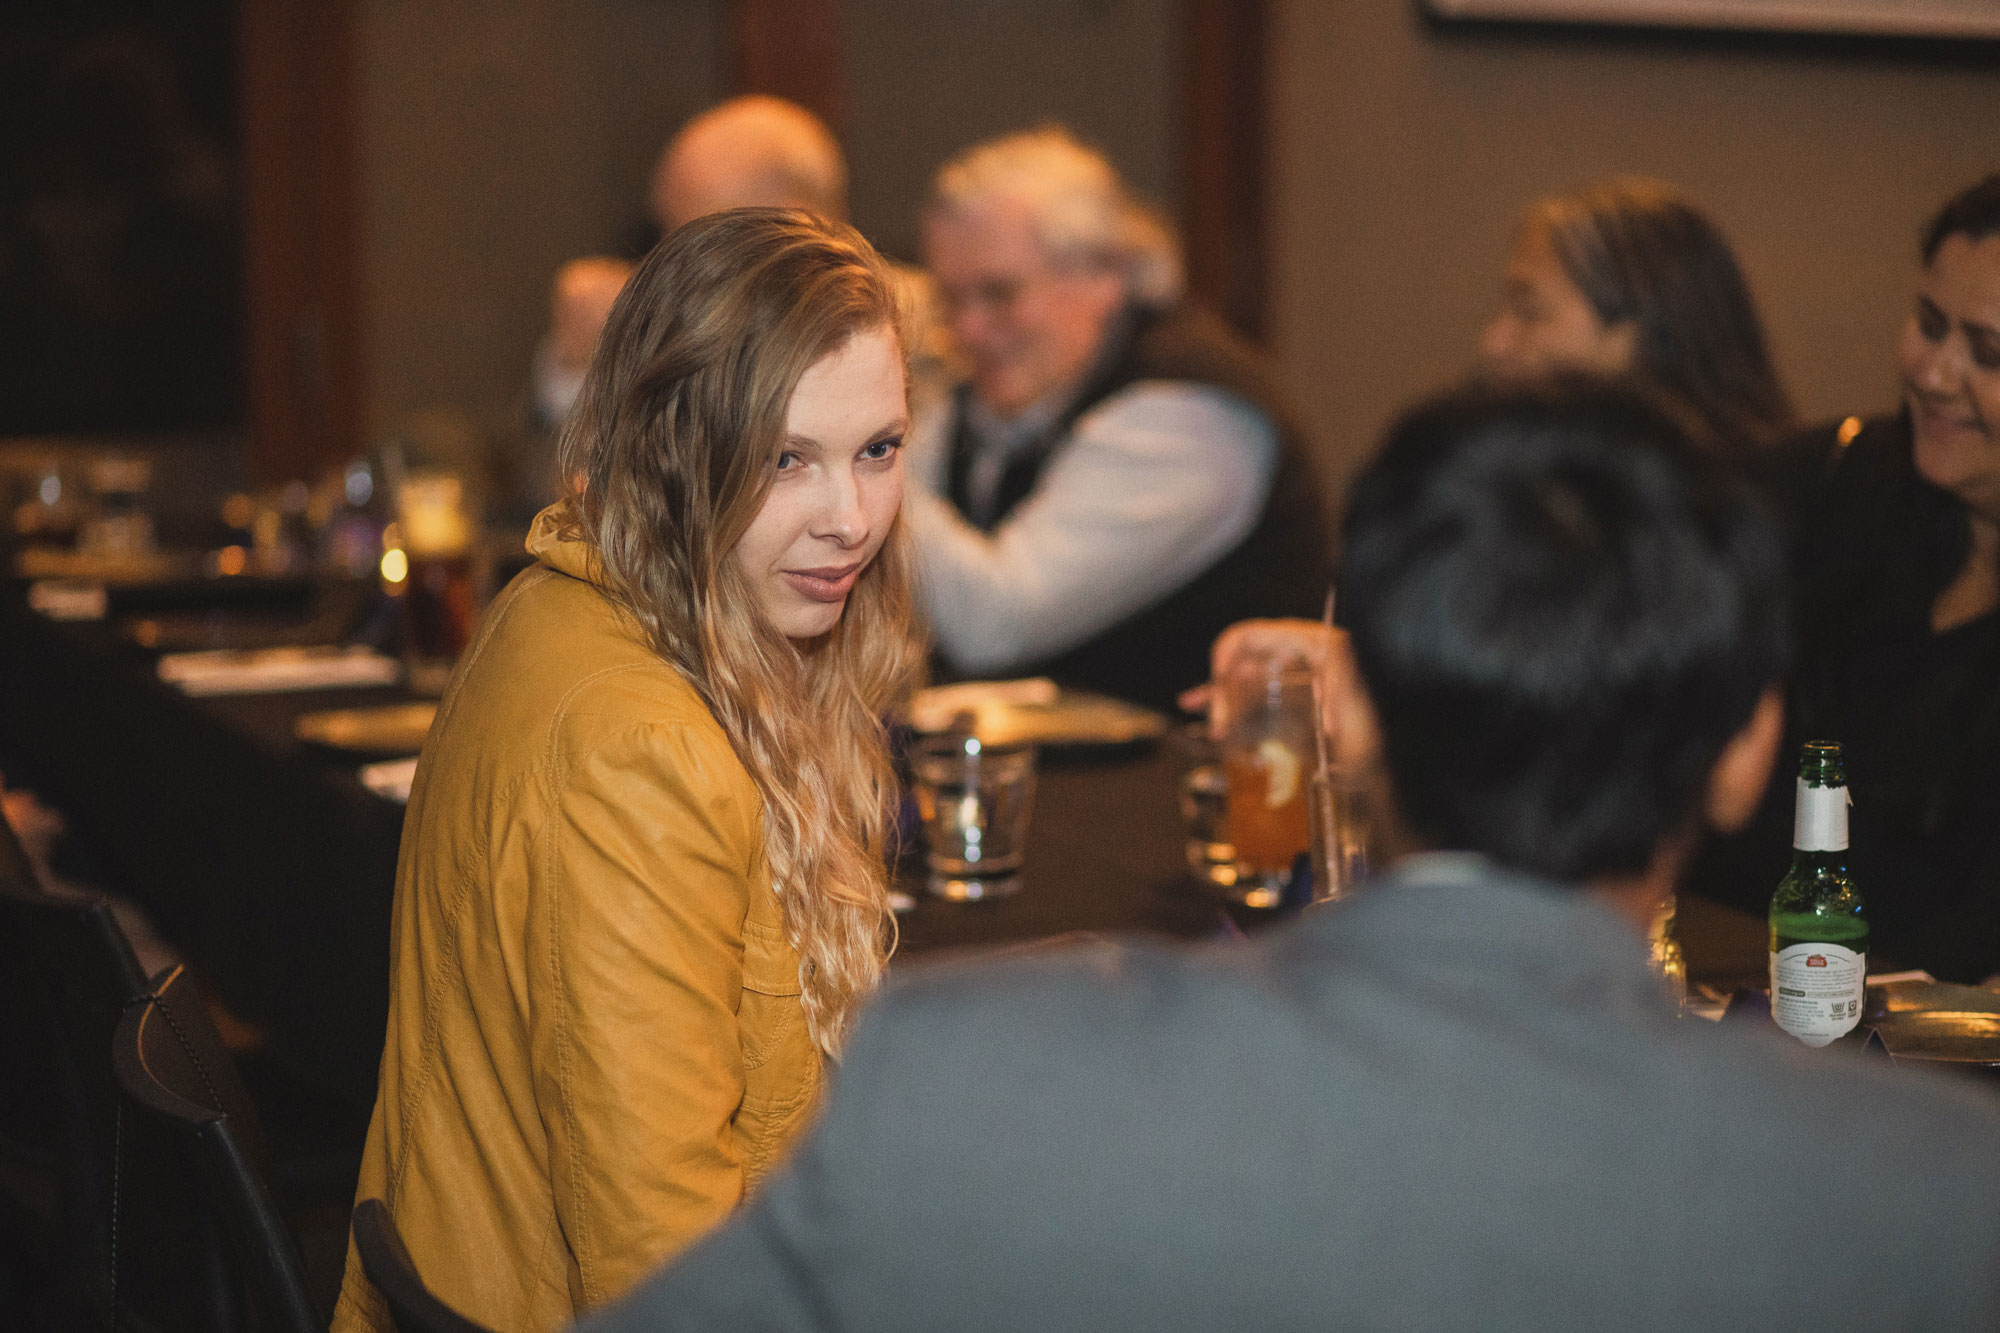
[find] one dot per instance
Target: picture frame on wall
(1969, 19)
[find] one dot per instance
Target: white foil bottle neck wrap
(1821, 822)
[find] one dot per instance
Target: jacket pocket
(780, 1063)
(770, 1016)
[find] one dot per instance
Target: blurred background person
(641, 892)
(1625, 277)
(1901, 619)
(1117, 477)
(748, 152)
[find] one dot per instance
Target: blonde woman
(640, 895)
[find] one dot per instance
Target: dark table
(268, 864)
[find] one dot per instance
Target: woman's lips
(1939, 419)
(824, 585)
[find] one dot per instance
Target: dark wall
(496, 141)
(926, 78)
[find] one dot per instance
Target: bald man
(747, 152)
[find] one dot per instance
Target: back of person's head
(1640, 252)
(1563, 611)
(671, 451)
(750, 152)
(1083, 214)
(1973, 213)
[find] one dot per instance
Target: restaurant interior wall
(497, 141)
(1403, 152)
(925, 78)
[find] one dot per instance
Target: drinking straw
(1319, 704)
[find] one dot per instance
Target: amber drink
(441, 591)
(1268, 757)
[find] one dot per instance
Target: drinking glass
(1204, 801)
(1340, 831)
(1268, 755)
(1664, 950)
(974, 800)
(441, 582)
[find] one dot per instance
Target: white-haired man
(1114, 481)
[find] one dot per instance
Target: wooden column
(301, 232)
(1224, 157)
(790, 49)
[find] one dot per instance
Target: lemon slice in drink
(1281, 771)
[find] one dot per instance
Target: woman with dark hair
(1628, 277)
(641, 894)
(1901, 614)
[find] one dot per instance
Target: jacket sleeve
(638, 1065)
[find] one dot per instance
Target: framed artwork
(1888, 18)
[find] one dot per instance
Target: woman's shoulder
(560, 668)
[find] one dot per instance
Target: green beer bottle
(1819, 937)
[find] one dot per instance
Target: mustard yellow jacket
(596, 1043)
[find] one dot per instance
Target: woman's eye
(882, 448)
(787, 460)
(1931, 321)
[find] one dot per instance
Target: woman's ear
(1736, 783)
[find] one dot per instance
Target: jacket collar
(1460, 923)
(561, 551)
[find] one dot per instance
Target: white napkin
(390, 778)
(275, 670)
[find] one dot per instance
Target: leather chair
(386, 1261)
(66, 977)
(197, 1241)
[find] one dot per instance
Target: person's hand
(1254, 641)
(36, 827)
(585, 290)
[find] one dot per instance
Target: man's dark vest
(1280, 569)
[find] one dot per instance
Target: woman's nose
(841, 515)
(1938, 366)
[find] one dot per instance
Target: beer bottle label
(1816, 990)
(1820, 824)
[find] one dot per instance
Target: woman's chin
(1957, 459)
(806, 624)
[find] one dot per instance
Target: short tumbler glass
(974, 800)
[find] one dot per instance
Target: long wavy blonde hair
(671, 451)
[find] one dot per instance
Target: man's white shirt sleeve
(1157, 483)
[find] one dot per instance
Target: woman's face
(1949, 357)
(1545, 323)
(838, 489)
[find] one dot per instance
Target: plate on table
(1938, 1022)
(388, 729)
(1034, 712)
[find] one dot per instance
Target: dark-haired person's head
(1630, 277)
(1567, 621)
(1949, 354)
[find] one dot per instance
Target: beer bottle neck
(1820, 824)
